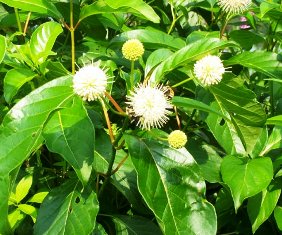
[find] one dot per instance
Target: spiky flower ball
(90, 82)
(149, 106)
(209, 70)
(177, 139)
(132, 49)
(234, 6)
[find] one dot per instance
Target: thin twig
(119, 165)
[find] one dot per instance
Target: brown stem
(119, 165)
(118, 108)
(107, 121)
(177, 118)
(26, 23)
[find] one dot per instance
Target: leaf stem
(18, 19)
(118, 108)
(182, 82)
(107, 120)
(71, 28)
(26, 23)
(132, 75)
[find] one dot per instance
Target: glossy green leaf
(3, 46)
(264, 62)
(133, 225)
(21, 129)
(188, 54)
(276, 120)
(170, 183)
(246, 38)
(4, 197)
(254, 176)
(62, 132)
(261, 206)
(22, 189)
(195, 104)
(224, 132)
(67, 210)
(278, 217)
(41, 6)
(38, 197)
(14, 80)
(152, 38)
(43, 39)
(137, 7)
(274, 141)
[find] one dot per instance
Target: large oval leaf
(170, 183)
(4, 197)
(43, 39)
(136, 7)
(41, 6)
(188, 54)
(20, 132)
(254, 176)
(67, 210)
(64, 129)
(264, 62)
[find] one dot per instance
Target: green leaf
(22, 188)
(43, 39)
(224, 132)
(14, 80)
(195, 104)
(67, 210)
(188, 54)
(278, 217)
(261, 206)
(133, 225)
(152, 39)
(4, 197)
(62, 132)
(3, 46)
(15, 218)
(21, 129)
(264, 62)
(41, 6)
(28, 210)
(254, 176)
(274, 141)
(170, 183)
(246, 38)
(276, 120)
(207, 158)
(38, 197)
(137, 7)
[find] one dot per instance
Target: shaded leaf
(261, 206)
(62, 132)
(254, 176)
(14, 80)
(172, 187)
(67, 210)
(4, 197)
(278, 217)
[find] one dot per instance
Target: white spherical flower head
(90, 82)
(209, 70)
(234, 6)
(149, 106)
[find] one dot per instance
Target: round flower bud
(132, 49)
(177, 139)
(90, 82)
(234, 6)
(209, 70)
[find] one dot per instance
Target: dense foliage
(103, 157)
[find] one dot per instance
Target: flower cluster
(177, 139)
(209, 70)
(149, 106)
(132, 49)
(90, 82)
(234, 6)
